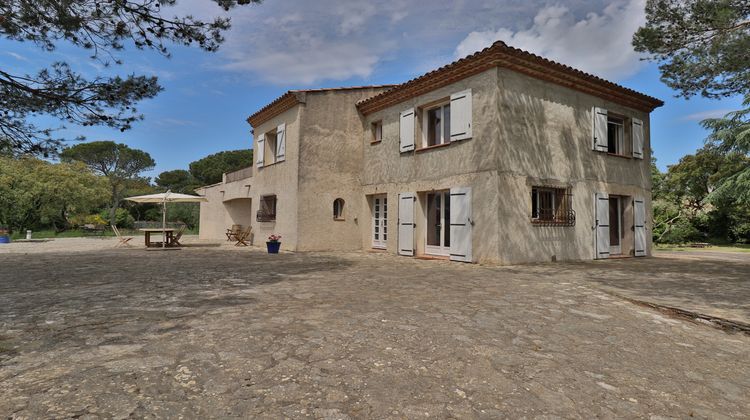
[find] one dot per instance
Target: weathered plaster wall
(281, 179)
(546, 138)
(526, 132)
(330, 168)
(228, 204)
(471, 163)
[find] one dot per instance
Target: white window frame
(270, 155)
(620, 141)
(425, 123)
(440, 249)
(377, 131)
(379, 214)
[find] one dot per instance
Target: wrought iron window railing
(262, 216)
(550, 217)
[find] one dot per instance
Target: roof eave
(501, 55)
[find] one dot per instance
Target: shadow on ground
(210, 333)
(716, 286)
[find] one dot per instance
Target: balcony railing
(550, 217)
(238, 175)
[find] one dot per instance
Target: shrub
(123, 219)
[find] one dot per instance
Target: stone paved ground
(711, 283)
(204, 333)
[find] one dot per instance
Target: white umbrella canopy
(164, 198)
(168, 197)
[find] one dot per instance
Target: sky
(295, 44)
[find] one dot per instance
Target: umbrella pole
(164, 223)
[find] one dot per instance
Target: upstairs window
(271, 146)
(551, 206)
(439, 123)
(615, 135)
(270, 152)
(377, 132)
(436, 126)
(267, 212)
(338, 209)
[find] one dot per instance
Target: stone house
(501, 157)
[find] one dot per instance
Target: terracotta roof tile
(291, 98)
(500, 54)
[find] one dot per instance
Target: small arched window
(338, 209)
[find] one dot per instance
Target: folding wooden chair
(121, 240)
(243, 237)
(233, 232)
(176, 238)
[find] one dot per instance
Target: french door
(438, 241)
(615, 225)
(379, 221)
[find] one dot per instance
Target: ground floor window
(267, 212)
(379, 221)
(438, 223)
(551, 206)
(338, 209)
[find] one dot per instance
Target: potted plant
(273, 244)
(4, 236)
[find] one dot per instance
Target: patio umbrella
(164, 198)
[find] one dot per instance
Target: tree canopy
(102, 27)
(687, 206)
(702, 46)
(34, 192)
(118, 162)
(178, 180)
(210, 169)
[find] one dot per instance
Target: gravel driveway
(207, 332)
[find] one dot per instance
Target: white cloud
(702, 115)
(598, 43)
(307, 65)
(18, 57)
(298, 43)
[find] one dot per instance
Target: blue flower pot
(4, 239)
(273, 247)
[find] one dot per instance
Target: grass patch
(719, 248)
(75, 233)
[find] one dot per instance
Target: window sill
(265, 165)
(619, 155)
(339, 219)
(375, 142)
(437, 146)
(552, 223)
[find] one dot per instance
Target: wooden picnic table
(148, 231)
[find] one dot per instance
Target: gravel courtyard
(211, 332)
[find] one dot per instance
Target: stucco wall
(526, 132)
(280, 179)
(228, 204)
(330, 168)
(469, 163)
(546, 138)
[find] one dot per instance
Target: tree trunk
(113, 207)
